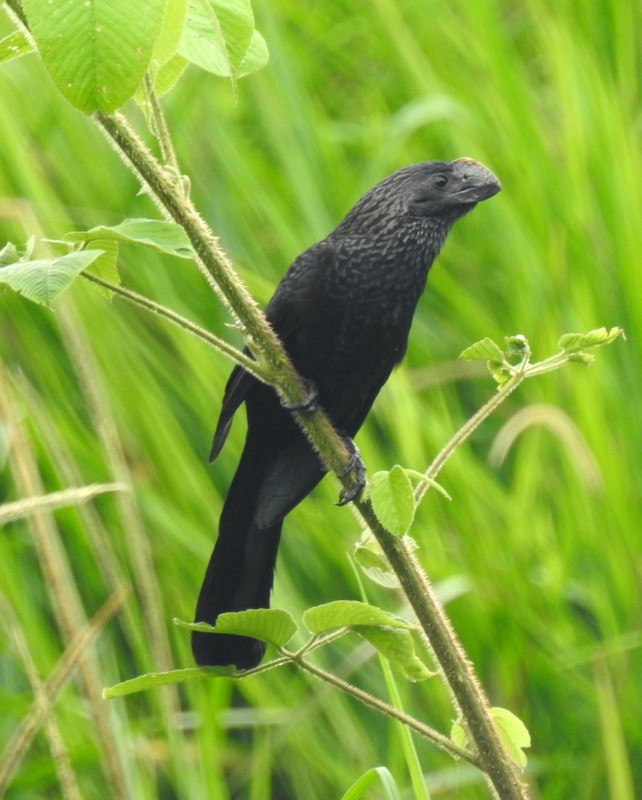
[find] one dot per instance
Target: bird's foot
(309, 403)
(357, 468)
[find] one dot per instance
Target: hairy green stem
(182, 322)
(444, 742)
(455, 666)
(261, 339)
(160, 128)
(520, 373)
(466, 430)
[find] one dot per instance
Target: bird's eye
(441, 181)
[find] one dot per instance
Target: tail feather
(240, 572)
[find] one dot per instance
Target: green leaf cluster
(514, 360)
(391, 636)
(511, 730)
(43, 280)
(97, 52)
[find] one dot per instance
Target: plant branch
(467, 429)
(519, 373)
(160, 128)
(444, 742)
(214, 264)
(139, 300)
(453, 662)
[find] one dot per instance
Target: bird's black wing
(298, 292)
(286, 312)
(238, 385)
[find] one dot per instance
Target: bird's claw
(308, 404)
(356, 467)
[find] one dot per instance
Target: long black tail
(241, 570)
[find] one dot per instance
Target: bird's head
(435, 187)
(431, 190)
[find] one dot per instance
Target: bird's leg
(309, 403)
(358, 469)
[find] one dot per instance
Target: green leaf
(484, 350)
(96, 51)
(381, 774)
(9, 255)
(575, 342)
(106, 265)
(167, 237)
(431, 482)
(14, 45)
(370, 557)
(271, 625)
(499, 371)
(513, 733)
(43, 280)
(398, 647)
(517, 348)
(168, 75)
(170, 34)
(458, 735)
(349, 613)
(256, 56)
(392, 499)
(153, 679)
(220, 37)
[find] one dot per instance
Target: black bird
(343, 311)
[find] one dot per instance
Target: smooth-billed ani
(343, 311)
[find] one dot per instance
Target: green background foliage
(539, 556)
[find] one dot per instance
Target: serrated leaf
(484, 350)
(14, 45)
(458, 735)
(106, 265)
(167, 76)
(431, 482)
(9, 255)
(586, 359)
(167, 237)
(499, 371)
(96, 51)
(393, 500)
(574, 342)
(153, 679)
(517, 347)
(362, 785)
(513, 734)
(44, 279)
(348, 613)
(219, 36)
(398, 647)
(372, 561)
(170, 34)
(271, 625)
(256, 56)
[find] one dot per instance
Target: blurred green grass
(547, 95)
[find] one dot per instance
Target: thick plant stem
(379, 705)
(457, 669)
(273, 361)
